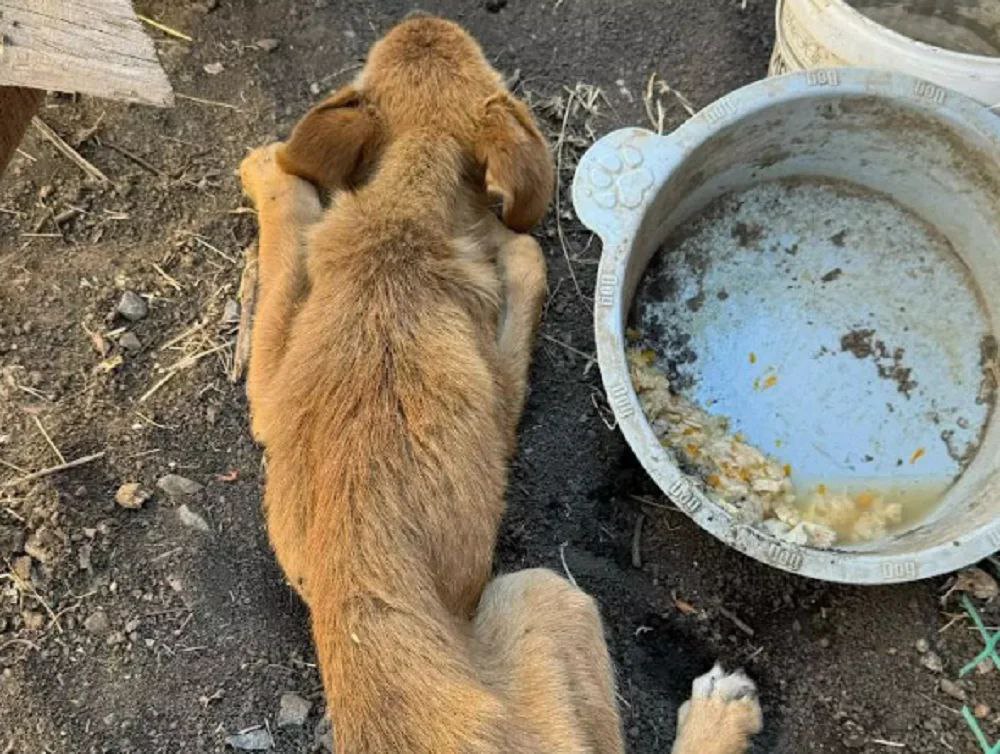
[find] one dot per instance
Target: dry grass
(569, 119)
(653, 99)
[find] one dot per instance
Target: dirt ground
(168, 627)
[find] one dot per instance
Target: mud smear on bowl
(838, 392)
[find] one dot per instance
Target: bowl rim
(617, 226)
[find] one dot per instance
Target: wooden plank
(95, 47)
(17, 106)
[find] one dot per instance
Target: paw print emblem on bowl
(619, 179)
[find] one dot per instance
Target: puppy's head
(428, 75)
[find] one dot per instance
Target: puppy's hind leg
(721, 715)
(286, 207)
(540, 646)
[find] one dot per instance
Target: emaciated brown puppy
(390, 355)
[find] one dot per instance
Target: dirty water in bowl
(833, 333)
(968, 26)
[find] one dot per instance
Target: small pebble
(191, 519)
(132, 306)
(314, 88)
(251, 740)
(22, 567)
(981, 711)
(932, 661)
(292, 710)
(267, 45)
(922, 646)
(176, 485)
(33, 621)
(323, 735)
(40, 545)
(131, 495)
(952, 689)
(231, 314)
(11, 540)
(213, 69)
(97, 623)
(130, 342)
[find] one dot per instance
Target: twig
(882, 741)
(187, 333)
(568, 347)
(48, 439)
(67, 214)
(142, 163)
(637, 541)
(9, 465)
(211, 102)
(739, 624)
(330, 77)
(75, 157)
(559, 161)
(653, 504)
(209, 246)
(157, 385)
(12, 642)
(164, 28)
(248, 303)
(166, 277)
(54, 469)
(177, 367)
(562, 557)
(83, 136)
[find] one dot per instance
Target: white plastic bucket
(830, 33)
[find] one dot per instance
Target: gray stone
(323, 735)
(231, 313)
(292, 710)
(252, 740)
(267, 45)
(952, 689)
(130, 342)
(132, 306)
(178, 486)
(97, 623)
(193, 520)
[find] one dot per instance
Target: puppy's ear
(517, 162)
(335, 143)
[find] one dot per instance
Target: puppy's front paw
(259, 171)
(269, 186)
(522, 265)
(721, 716)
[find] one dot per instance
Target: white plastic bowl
(830, 33)
(933, 152)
